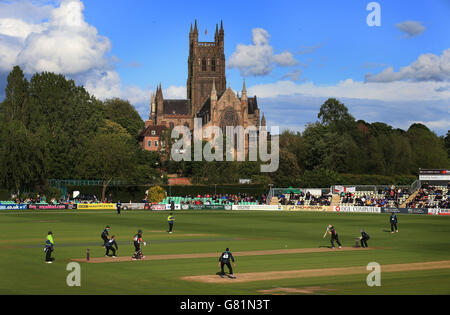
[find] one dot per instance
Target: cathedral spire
(244, 92)
(195, 27)
(213, 91)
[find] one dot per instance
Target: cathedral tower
(206, 63)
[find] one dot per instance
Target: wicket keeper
(364, 238)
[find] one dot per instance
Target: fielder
(334, 236)
(393, 220)
(224, 259)
(137, 240)
(110, 246)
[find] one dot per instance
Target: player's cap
(227, 249)
(50, 232)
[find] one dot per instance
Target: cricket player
(334, 236)
(364, 238)
(118, 206)
(137, 240)
(105, 235)
(110, 246)
(49, 248)
(224, 259)
(393, 220)
(170, 220)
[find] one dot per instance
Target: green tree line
(52, 128)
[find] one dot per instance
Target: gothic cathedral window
(204, 64)
(213, 65)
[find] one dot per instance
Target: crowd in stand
(225, 199)
(430, 196)
(302, 198)
(390, 196)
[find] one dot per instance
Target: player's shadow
(323, 246)
(387, 231)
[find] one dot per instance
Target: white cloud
(411, 28)
(428, 67)
(394, 91)
(258, 58)
(293, 75)
(54, 36)
(175, 92)
(67, 44)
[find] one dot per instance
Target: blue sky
(304, 52)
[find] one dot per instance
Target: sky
(387, 63)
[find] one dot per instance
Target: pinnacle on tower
(213, 91)
(195, 28)
(244, 91)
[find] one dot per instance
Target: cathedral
(208, 96)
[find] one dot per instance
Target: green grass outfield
(23, 233)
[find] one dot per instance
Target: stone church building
(208, 96)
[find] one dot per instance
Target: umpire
(49, 248)
(170, 220)
(224, 259)
(393, 220)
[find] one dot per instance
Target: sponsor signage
(434, 174)
(394, 210)
(358, 209)
(158, 207)
(90, 206)
(257, 207)
(47, 207)
(444, 211)
(437, 211)
(13, 206)
(303, 208)
(417, 211)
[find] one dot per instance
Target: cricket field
(278, 252)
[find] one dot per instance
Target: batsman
(137, 241)
(334, 236)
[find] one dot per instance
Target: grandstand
(431, 196)
(225, 200)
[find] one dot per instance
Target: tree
(17, 96)
(107, 157)
(335, 114)
(22, 163)
(123, 113)
(156, 194)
